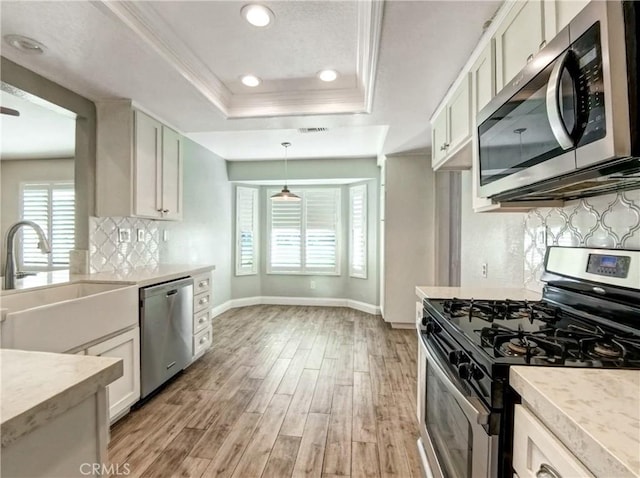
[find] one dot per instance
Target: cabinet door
(518, 39)
(483, 80)
(459, 115)
(171, 174)
(147, 150)
(125, 391)
(439, 138)
(558, 14)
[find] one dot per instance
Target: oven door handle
(472, 407)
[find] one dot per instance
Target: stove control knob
(464, 370)
(457, 357)
(468, 371)
(425, 320)
(432, 327)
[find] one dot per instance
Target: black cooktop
(536, 333)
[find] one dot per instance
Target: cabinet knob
(202, 283)
(547, 471)
(165, 211)
(204, 300)
(529, 58)
(202, 320)
(443, 147)
(542, 44)
(203, 340)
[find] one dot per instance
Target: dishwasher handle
(166, 289)
(172, 292)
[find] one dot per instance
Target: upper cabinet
(518, 32)
(518, 38)
(138, 164)
(451, 130)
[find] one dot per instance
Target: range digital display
(608, 261)
(609, 265)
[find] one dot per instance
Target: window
(303, 235)
(246, 231)
(358, 231)
(52, 207)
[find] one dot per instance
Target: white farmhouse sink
(64, 317)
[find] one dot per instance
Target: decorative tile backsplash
(610, 221)
(107, 253)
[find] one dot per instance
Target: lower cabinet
(125, 391)
(202, 330)
(538, 453)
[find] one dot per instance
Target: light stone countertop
(481, 293)
(595, 413)
(36, 387)
(142, 276)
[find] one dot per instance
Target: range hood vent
(312, 130)
(618, 175)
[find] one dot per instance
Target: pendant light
(285, 194)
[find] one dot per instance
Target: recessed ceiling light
(250, 80)
(25, 44)
(328, 75)
(257, 15)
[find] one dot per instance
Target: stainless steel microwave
(568, 125)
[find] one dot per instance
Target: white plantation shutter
(303, 235)
(285, 221)
(246, 231)
(322, 216)
(358, 231)
(52, 207)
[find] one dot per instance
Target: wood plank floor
(284, 392)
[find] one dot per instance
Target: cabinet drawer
(202, 341)
(201, 302)
(200, 321)
(202, 283)
(536, 449)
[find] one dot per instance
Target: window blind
(52, 207)
(246, 231)
(358, 231)
(303, 235)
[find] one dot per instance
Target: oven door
(453, 442)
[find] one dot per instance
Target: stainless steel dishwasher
(166, 332)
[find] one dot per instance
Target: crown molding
(150, 27)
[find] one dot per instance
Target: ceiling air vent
(312, 130)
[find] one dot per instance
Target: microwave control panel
(590, 85)
(609, 265)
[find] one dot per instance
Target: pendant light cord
(286, 173)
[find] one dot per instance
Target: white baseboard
(221, 309)
(402, 325)
(308, 301)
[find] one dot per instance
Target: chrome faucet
(10, 260)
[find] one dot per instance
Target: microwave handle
(553, 103)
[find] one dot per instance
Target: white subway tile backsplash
(611, 221)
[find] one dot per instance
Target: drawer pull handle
(202, 283)
(204, 300)
(542, 44)
(203, 340)
(202, 320)
(547, 471)
(529, 58)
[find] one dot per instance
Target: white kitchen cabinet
(536, 450)
(202, 329)
(483, 80)
(139, 164)
(558, 14)
(518, 39)
(125, 391)
(451, 130)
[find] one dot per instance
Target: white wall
(204, 234)
(409, 242)
(494, 238)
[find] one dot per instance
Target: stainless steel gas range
(589, 316)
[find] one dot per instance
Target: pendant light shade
(285, 194)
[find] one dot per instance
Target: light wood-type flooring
(285, 391)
